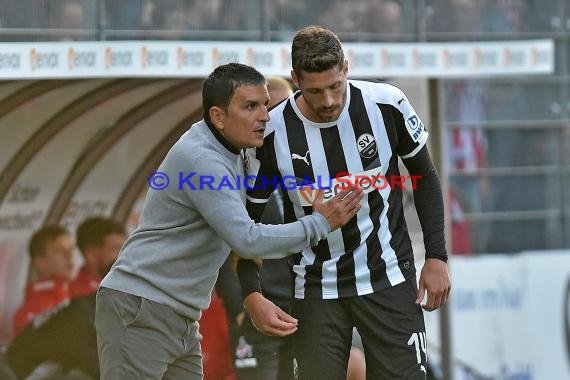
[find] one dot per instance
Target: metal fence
(506, 141)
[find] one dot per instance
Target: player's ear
(295, 79)
(217, 116)
(345, 67)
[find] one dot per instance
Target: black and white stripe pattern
(373, 251)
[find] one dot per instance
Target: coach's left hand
(435, 280)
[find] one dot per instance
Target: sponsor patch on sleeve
(415, 128)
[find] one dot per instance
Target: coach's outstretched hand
(435, 280)
(268, 317)
(340, 208)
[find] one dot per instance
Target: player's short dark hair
(316, 49)
(220, 85)
(40, 238)
(93, 231)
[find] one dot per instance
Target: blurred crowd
(357, 20)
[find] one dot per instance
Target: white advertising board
(108, 59)
(509, 316)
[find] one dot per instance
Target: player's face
(244, 122)
(324, 93)
(58, 258)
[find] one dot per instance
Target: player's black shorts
(391, 326)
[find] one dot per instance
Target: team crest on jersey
(415, 127)
(367, 146)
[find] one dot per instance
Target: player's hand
(341, 208)
(268, 317)
(435, 280)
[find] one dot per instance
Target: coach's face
(324, 93)
(243, 123)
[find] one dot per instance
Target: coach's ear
(218, 117)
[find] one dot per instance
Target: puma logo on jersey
(296, 156)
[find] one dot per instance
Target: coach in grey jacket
(149, 304)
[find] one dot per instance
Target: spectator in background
(385, 18)
(66, 338)
(506, 16)
(124, 15)
(279, 89)
(468, 147)
(61, 346)
(346, 16)
(391, 16)
(216, 351)
(455, 16)
(99, 240)
(51, 252)
(365, 19)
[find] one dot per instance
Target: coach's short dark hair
(93, 231)
(40, 238)
(220, 85)
(316, 49)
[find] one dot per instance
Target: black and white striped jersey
(377, 124)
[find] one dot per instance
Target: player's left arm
(411, 136)
(428, 199)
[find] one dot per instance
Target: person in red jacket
(51, 252)
(216, 352)
(99, 240)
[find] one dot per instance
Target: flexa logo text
(485, 58)
(151, 58)
(43, 60)
(9, 61)
(118, 58)
(423, 59)
(285, 59)
(222, 57)
(513, 57)
(189, 58)
(454, 59)
(363, 59)
(368, 181)
(78, 59)
(392, 59)
(259, 58)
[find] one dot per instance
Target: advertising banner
(108, 59)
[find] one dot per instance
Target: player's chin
(327, 117)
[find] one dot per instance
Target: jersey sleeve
(262, 177)
(410, 130)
